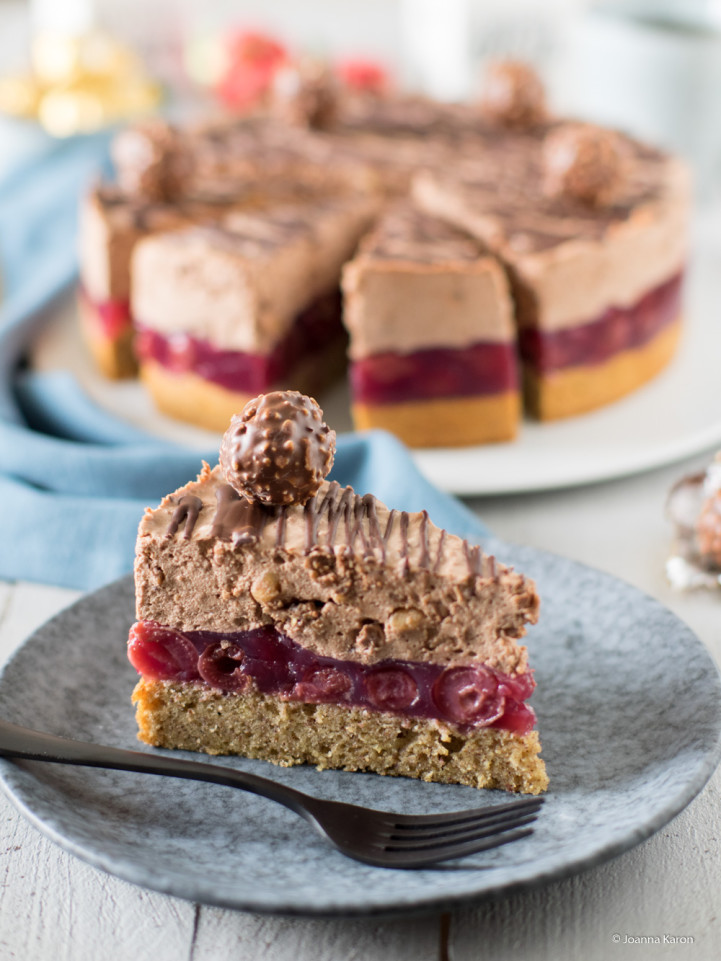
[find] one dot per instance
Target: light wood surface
(53, 906)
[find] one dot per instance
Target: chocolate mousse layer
(240, 283)
(342, 576)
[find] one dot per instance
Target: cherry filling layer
(313, 331)
(112, 317)
(469, 696)
(390, 378)
(616, 330)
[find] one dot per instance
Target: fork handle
(22, 742)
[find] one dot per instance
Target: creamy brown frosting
(112, 223)
(402, 116)
(225, 157)
(241, 282)
(343, 576)
(418, 283)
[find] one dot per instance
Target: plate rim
(649, 460)
(12, 775)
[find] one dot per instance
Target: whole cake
(561, 242)
(283, 617)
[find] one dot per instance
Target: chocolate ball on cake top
(306, 95)
(583, 162)
(152, 163)
(513, 94)
(278, 450)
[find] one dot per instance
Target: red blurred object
(253, 59)
(365, 76)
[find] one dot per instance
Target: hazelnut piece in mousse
(513, 95)
(278, 450)
(583, 162)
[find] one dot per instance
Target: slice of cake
(253, 303)
(109, 229)
(112, 223)
(287, 618)
(432, 340)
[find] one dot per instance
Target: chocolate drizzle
(237, 519)
(473, 557)
(425, 555)
(389, 530)
(280, 535)
(405, 559)
(439, 553)
(187, 511)
(352, 524)
(409, 235)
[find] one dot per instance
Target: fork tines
(419, 839)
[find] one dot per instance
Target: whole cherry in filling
(391, 689)
(162, 653)
(468, 695)
(273, 664)
(221, 665)
(321, 684)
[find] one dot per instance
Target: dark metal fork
(380, 838)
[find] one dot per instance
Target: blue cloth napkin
(74, 481)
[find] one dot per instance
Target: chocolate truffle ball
(152, 162)
(583, 162)
(513, 95)
(278, 450)
(708, 532)
(306, 95)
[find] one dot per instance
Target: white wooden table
(53, 906)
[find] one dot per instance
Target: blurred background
(652, 67)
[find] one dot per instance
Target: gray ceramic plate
(629, 708)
